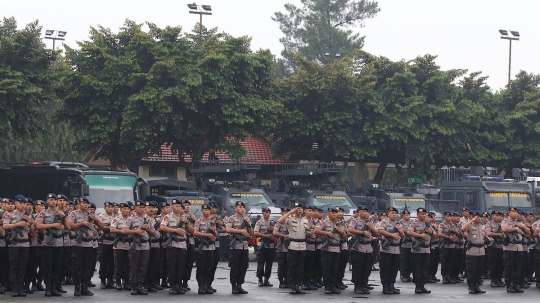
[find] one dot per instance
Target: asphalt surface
(440, 293)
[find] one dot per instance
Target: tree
(25, 79)
(320, 27)
(134, 91)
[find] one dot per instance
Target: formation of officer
(132, 240)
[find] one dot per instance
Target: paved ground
(440, 293)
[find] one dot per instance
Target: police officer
(536, 250)
(495, 249)
(106, 265)
(296, 251)
(434, 257)
(375, 241)
(190, 253)
(120, 248)
(391, 233)
(35, 260)
(154, 257)
(344, 250)
(239, 227)
(311, 242)
(219, 219)
(361, 249)
(331, 249)
(318, 272)
(205, 230)
(513, 258)
(66, 243)
(82, 222)
(475, 252)
(164, 271)
(448, 233)
(223, 235)
(264, 229)
(138, 226)
(422, 231)
(280, 231)
(405, 248)
(18, 221)
(176, 226)
(4, 251)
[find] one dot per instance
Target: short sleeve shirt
(512, 247)
(76, 217)
(389, 226)
(136, 222)
(46, 216)
(23, 238)
(263, 226)
(406, 243)
(172, 221)
(476, 235)
(202, 225)
(297, 231)
(235, 222)
(119, 222)
(364, 244)
(419, 227)
(334, 242)
(282, 229)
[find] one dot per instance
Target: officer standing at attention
(296, 251)
(164, 271)
(36, 251)
(190, 253)
(219, 220)
(331, 250)
(106, 264)
(264, 229)
(52, 221)
(176, 226)
(405, 249)
(138, 226)
(280, 231)
(448, 234)
(422, 231)
(82, 220)
(391, 233)
(18, 221)
(205, 230)
(513, 258)
(495, 249)
(361, 250)
(344, 252)
(121, 256)
(475, 253)
(62, 206)
(240, 228)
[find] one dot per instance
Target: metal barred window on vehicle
(249, 198)
(412, 203)
(495, 199)
(329, 200)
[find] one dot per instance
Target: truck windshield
(498, 199)
(249, 198)
(329, 200)
(114, 188)
(411, 203)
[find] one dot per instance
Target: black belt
(179, 240)
(297, 240)
(425, 246)
(20, 241)
(394, 244)
(2, 237)
(154, 241)
(477, 245)
(334, 245)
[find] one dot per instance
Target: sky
(462, 33)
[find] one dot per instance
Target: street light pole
(504, 35)
(59, 36)
(200, 10)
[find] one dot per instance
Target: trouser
(447, 255)
(94, 258)
(154, 258)
(375, 246)
(18, 259)
(330, 270)
(388, 265)
(525, 263)
(224, 247)
(138, 263)
(475, 267)
(434, 261)
(343, 260)
(106, 264)
(63, 265)
(361, 267)
(265, 259)
(513, 261)
(34, 261)
(52, 257)
(205, 264)
(295, 264)
(188, 265)
(164, 267)
(82, 261)
(420, 267)
(495, 261)
(282, 267)
(68, 261)
(4, 266)
(239, 263)
(318, 272)
(309, 267)
(215, 264)
(176, 258)
(536, 265)
(530, 261)
(121, 264)
(457, 264)
(405, 261)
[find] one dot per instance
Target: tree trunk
(380, 172)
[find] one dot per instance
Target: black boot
(126, 285)
(48, 290)
(141, 290)
(151, 288)
(267, 283)
(235, 289)
(54, 290)
(179, 289)
(478, 290)
(517, 288)
(424, 290)
(27, 288)
(201, 290)
(156, 286)
(2, 289)
(77, 292)
(118, 284)
(335, 290)
(134, 289)
(261, 283)
(209, 290)
(60, 289)
(299, 290)
(241, 290)
(85, 291)
(173, 290)
(186, 286)
(418, 289)
(471, 289)
(292, 289)
(103, 284)
(14, 292)
(386, 290)
(327, 290)
(394, 290)
(282, 283)
(365, 289)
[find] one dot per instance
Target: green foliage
(322, 26)
(25, 79)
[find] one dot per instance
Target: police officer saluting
(513, 260)
(239, 227)
(18, 221)
(475, 253)
(264, 229)
(422, 231)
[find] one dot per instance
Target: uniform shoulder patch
(258, 223)
(7, 216)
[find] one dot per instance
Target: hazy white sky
(463, 33)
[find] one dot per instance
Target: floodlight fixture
(192, 6)
(327, 54)
(515, 33)
(61, 34)
(505, 36)
(49, 32)
(338, 55)
(207, 7)
(503, 32)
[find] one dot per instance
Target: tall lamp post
(200, 10)
(504, 35)
(59, 36)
